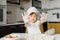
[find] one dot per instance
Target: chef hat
(32, 9)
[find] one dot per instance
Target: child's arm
(43, 18)
(25, 19)
(26, 24)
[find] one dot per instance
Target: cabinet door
(47, 4)
(54, 4)
(2, 2)
(54, 15)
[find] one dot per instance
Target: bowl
(12, 37)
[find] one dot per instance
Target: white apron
(33, 28)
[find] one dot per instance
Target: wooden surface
(56, 26)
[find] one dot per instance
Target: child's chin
(33, 21)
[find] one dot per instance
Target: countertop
(26, 36)
(11, 24)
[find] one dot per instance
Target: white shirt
(33, 28)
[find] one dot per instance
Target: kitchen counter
(11, 24)
(25, 36)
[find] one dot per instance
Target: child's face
(33, 18)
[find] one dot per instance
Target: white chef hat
(32, 9)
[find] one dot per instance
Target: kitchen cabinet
(47, 4)
(2, 2)
(53, 15)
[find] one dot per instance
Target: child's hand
(26, 24)
(25, 17)
(43, 18)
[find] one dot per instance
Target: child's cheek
(30, 18)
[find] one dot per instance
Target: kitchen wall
(15, 15)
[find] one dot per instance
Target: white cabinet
(2, 2)
(54, 4)
(52, 15)
(47, 4)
